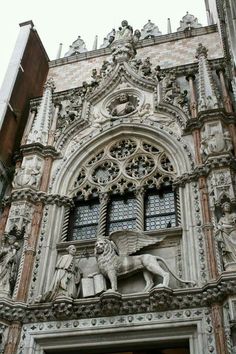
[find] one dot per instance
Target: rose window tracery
(123, 149)
(123, 166)
(105, 172)
(140, 166)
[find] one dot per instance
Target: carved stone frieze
(162, 299)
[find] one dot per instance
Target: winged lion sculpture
(114, 259)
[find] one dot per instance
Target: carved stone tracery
(124, 165)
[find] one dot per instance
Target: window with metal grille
(84, 220)
(121, 213)
(160, 209)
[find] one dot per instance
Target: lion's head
(100, 246)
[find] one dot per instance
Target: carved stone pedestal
(111, 302)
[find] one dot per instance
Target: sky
(59, 21)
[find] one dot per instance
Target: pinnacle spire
(169, 26)
(40, 129)
(206, 88)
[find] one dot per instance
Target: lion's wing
(129, 242)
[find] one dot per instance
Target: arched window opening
(125, 185)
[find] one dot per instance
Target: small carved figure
(124, 32)
(145, 110)
(8, 266)
(146, 67)
(106, 68)
(136, 64)
(170, 87)
(123, 107)
(95, 78)
(226, 234)
(113, 257)
(66, 279)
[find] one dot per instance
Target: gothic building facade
(118, 222)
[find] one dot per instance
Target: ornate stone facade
(119, 222)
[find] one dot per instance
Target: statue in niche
(9, 263)
(114, 259)
(125, 32)
(226, 236)
(66, 280)
(123, 106)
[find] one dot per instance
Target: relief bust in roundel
(123, 105)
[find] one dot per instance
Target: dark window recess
(121, 214)
(160, 210)
(84, 221)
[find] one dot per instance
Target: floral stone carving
(114, 259)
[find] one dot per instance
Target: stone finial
(150, 30)
(201, 51)
(77, 47)
(188, 21)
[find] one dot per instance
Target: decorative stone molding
(39, 149)
(37, 197)
(162, 299)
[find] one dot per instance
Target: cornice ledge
(158, 299)
(37, 197)
(37, 148)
